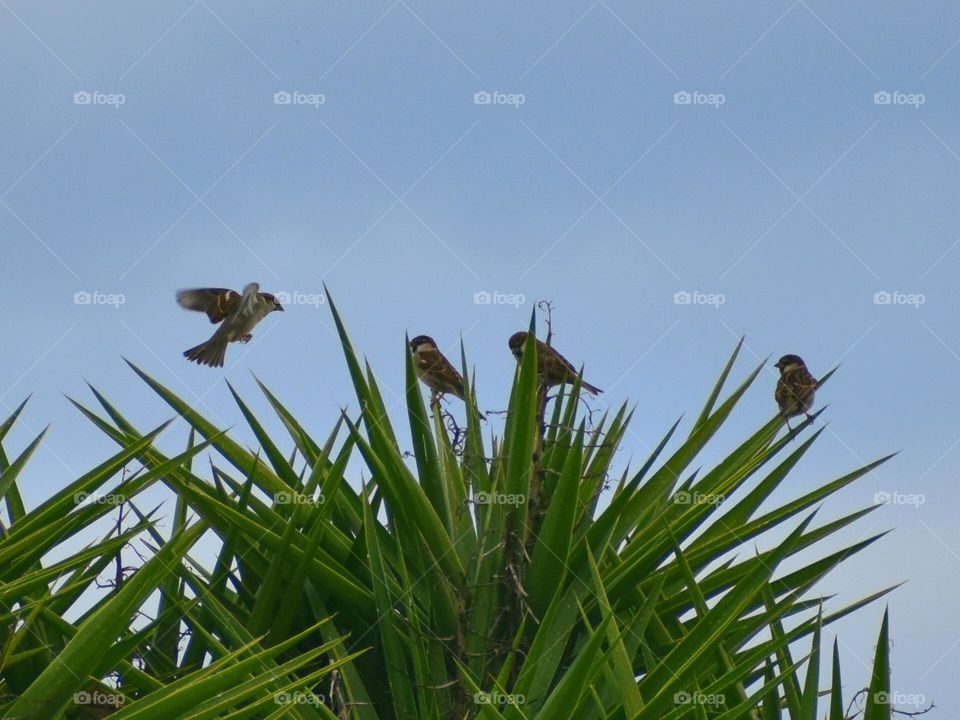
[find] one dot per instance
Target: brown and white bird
(795, 388)
(552, 367)
(238, 315)
(434, 370)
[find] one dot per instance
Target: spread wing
(217, 303)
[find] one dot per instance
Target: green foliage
(467, 578)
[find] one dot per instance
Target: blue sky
(812, 176)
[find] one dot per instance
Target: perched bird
(239, 315)
(552, 367)
(434, 370)
(795, 388)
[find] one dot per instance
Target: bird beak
(280, 308)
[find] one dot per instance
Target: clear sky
(780, 162)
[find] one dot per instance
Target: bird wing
(794, 389)
(782, 394)
(217, 303)
(806, 384)
(435, 362)
(251, 296)
(556, 364)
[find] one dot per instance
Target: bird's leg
(787, 421)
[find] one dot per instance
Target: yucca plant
(515, 577)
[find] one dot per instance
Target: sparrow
(239, 314)
(795, 388)
(434, 370)
(552, 367)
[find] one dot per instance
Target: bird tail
(211, 353)
(592, 389)
(461, 393)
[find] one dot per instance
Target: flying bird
(434, 370)
(238, 315)
(552, 367)
(795, 388)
